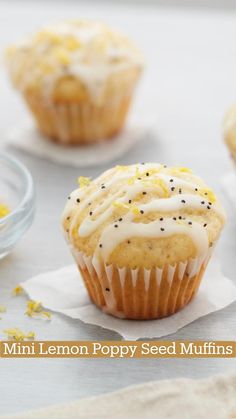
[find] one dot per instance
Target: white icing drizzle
(175, 203)
(128, 226)
(88, 226)
(101, 52)
(128, 229)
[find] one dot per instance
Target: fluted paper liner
(77, 123)
(141, 293)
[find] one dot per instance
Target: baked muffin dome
(143, 216)
(78, 79)
(73, 60)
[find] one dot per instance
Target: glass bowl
(17, 192)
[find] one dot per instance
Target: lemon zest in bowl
(18, 335)
(83, 181)
(175, 171)
(35, 309)
(4, 210)
(18, 290)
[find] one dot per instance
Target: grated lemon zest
(72, 44)
(83, 181)
(4, 210)
(120, 205)
(137, 175)
(135, 209)
(142, 175)
(210, 194)
(131, 180)
(46, 314)
(178, 170)
(184, 169)
(154, 171)
(35, 308)
(62, 55)
(18, 290)
(162, 185)
(17, 334)
(30, 335)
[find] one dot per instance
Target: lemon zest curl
(162, 185)
(35, 309)
(120, 205)
(83, 181)
(18, 290)
(18, 335)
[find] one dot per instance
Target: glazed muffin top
(90, 51)
(143, 215)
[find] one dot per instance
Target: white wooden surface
(189, 82)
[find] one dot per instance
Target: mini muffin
(229, 128)
(78, 79)
(142, 236)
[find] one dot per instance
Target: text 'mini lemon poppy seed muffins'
(142, 236)
(78, 78)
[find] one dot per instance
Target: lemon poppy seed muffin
(78, 79)
(142, 236)
(229, 128)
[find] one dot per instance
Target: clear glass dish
(17, 192)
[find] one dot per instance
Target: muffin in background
(78, 78)
(142, 236)
(229, 128)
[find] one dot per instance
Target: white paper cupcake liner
(108, 283)
(62, 290)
